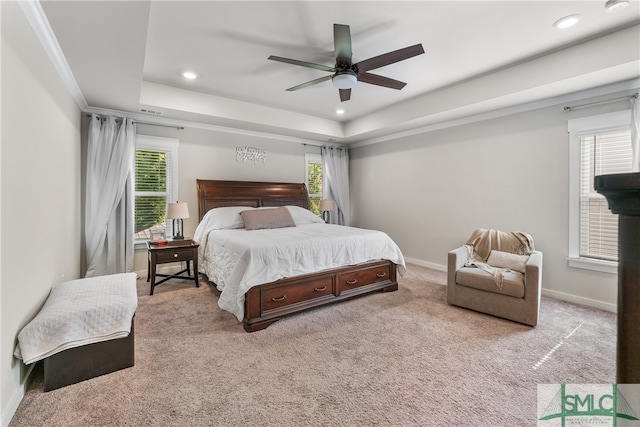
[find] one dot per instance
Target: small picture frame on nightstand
(158, 238)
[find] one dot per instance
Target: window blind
(152, 190)
(601, 153)
(313, 180)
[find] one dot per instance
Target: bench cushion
(80, 312)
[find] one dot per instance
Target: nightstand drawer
(171, 255)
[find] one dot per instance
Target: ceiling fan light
(345, 80)
(614, 6)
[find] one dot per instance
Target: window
(313, 180)
(599, 145)
(156, 172)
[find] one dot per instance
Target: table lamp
(177, 212)
(326, 206)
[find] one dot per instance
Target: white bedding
(237, 259)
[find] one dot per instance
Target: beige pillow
(507, 260)
(258, 219)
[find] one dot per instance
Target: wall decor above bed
(252, 154)
(264, 274)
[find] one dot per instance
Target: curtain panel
(335, 183)
(109, 195)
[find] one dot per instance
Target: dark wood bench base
(89, 361)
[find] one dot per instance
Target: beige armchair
(516, 297)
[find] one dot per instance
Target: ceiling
(479, 56)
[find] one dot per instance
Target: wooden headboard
(216, 194)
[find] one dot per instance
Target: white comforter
(238, 259)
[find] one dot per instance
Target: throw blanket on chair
(515, 242)
(482, 241)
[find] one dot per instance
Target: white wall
(40, 169)
(207, 154)
(430, 191)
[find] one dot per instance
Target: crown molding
(632, 84)
(34, 13)
(144, 119)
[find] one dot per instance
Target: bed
(264, 283)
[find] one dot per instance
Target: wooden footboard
(268, 303)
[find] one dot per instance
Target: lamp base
(177, 229)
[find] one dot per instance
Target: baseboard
(580, 300)
(426, 264)
(11, 409)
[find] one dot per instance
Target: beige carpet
(404, 358)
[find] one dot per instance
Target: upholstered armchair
(497, 273)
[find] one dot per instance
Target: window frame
(576, 129)
(169, 146)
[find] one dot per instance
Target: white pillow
(303, 216)
(224, 218)
(507, 260)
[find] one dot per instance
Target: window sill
(139, 246)
(610, 267)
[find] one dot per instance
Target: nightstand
(173, 251)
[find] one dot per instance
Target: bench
(83, 330)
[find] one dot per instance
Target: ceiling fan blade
(345, 95)
(342, 44)
(302, 63)
(378, 80)
(310, 83)
(390, 58)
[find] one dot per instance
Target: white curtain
(335, 183)
(635, 132)
(109, 196)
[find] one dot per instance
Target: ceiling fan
(346, 74)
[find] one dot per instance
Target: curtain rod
(151, 124)
(606, 101)
(157, 124)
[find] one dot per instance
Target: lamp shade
(178, 210)
(326, 205)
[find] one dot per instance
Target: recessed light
(567, 21)
(340, 111)
(614, 6)
(189, 75)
